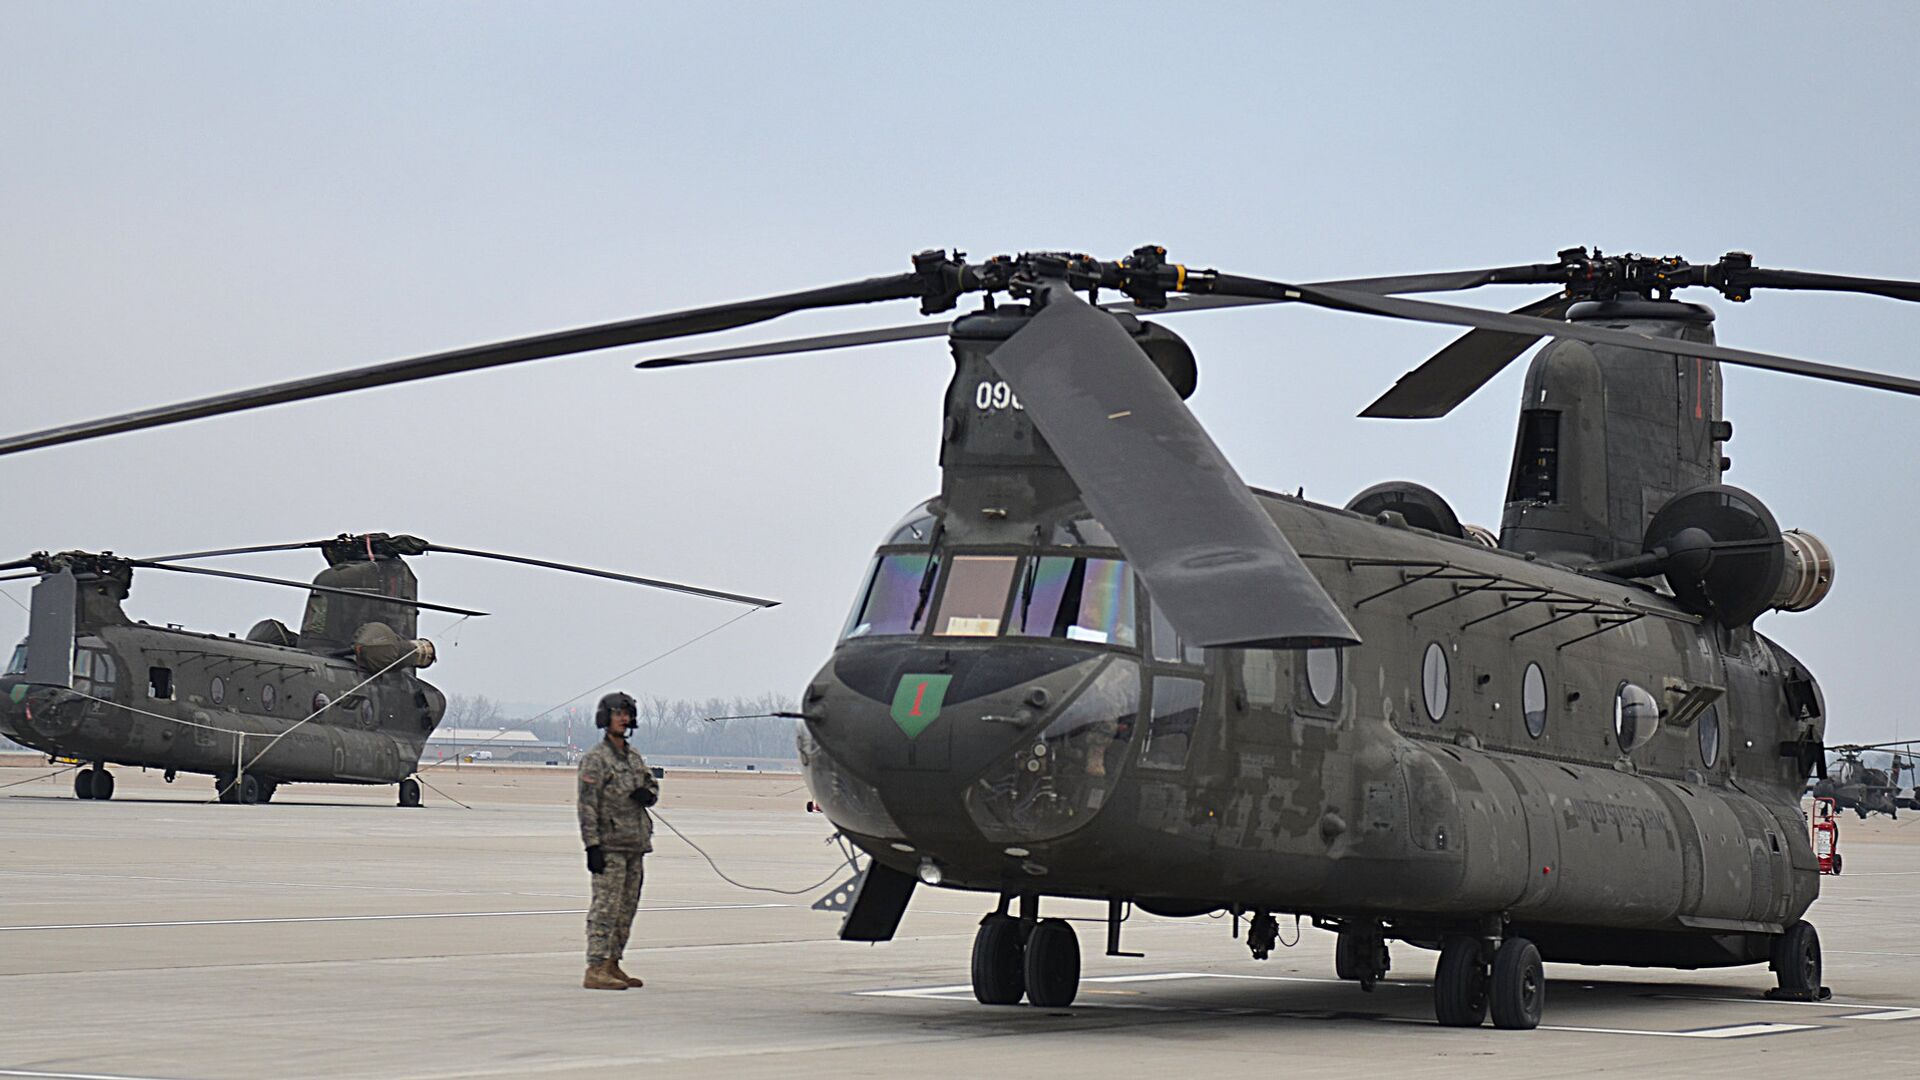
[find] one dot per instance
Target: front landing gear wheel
(1460, 983)
(1360, 955)
(1518, 993)
(1796, 963)
(409, 792)
(102, 784)
(999, 973)
(1053, 964)
(83, 784)
(248, 789)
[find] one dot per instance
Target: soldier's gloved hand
(645, 796)
(596, 860)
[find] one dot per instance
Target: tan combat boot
(601, 977)
(613, 967)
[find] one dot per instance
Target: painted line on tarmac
(76, 1076)
(365, 918)
(1732, 1031)
(964, 992)
(1873, 1011)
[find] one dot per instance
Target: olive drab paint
(1074, 767)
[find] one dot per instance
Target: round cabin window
(1709, 730)
(1433, 681)
(268, 697)
(1323, 675)
(1533, 700)
(1636, 716)
(217, 690)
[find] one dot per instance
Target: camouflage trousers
(616, 895)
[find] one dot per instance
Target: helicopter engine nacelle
(1724, 556)
(1809, 573)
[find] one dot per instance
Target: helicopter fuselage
(1514, 739)
(166, 698)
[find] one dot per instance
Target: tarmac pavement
(332, 934)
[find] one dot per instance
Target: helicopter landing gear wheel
(1460, 983)
(409, 792)
(999, 973)
(102, 783)
(1796, 963)
(248, 789)
(1052, 964)
(1517, 994)
(83, 784)
(1360, 955)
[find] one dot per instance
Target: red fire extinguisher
(1826, 836)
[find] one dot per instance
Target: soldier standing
(616, 787)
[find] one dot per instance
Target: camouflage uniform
(610, 818)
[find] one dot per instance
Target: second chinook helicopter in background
(1854, 785)
(1098, 665)
(338, 702)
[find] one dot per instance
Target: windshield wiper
(926, 577)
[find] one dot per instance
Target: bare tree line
(673, 726)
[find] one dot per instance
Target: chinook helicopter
(1099, 665)
(1854, 785)
(339, 702)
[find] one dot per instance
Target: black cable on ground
(846, 855)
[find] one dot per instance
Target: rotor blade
(1452, 375)
(802, 345)
(257, 549)
(1801, 279)
(608, 574)
(1856, 747)
(1454, 315)
(1209, 554)
(474, 358)
(22, 577)
(1177, 303)
(357, 594)
(15, 564)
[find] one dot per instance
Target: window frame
(1533, 669)
(1436, 715)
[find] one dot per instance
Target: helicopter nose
(922, 728)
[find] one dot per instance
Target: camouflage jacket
(608, 815)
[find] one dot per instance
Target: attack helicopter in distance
(338, 702)
(1097, 664)
(1854, 785)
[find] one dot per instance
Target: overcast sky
(196, 198)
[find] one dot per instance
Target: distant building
(486, 744)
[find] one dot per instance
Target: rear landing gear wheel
(409, 792)
(83, 784)
(1796, 963)
(249, 789)
(1518, 993)
(102, 783)
(999, 974)
(1460, 983)
(1052, 964)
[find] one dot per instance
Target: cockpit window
(891, 604)
(973, 599)
(1077, 599)
(18, 665)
